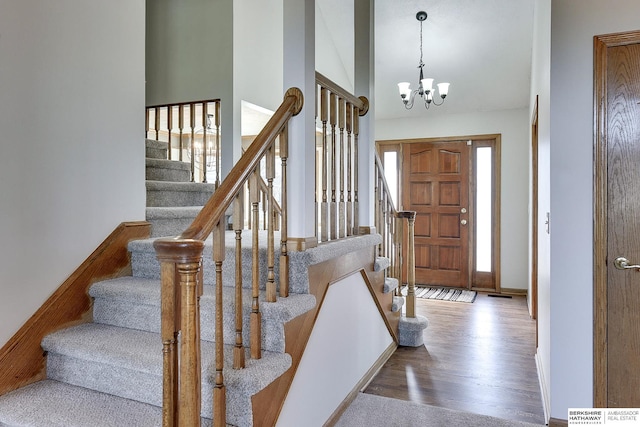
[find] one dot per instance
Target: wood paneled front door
(617, 221)
(436, 186)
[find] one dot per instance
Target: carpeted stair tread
(381, 263)
(128, 363)
(180, 186)
(132, 302)
(145, 264)
(167, 170)
(172, 212)
(51, 403)
(169, 220)
(168, 164)
(390, 284)
(155, 149)
(168, 193)
(397, 303)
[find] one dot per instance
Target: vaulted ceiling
(482, 47)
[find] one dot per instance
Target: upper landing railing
(192, 133)
(338, 112)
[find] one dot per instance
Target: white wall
(514, 127)
(334, 58)
(573, 25)
(258, 52)
(347, 339)
(540, 86)
(189, 56)
(72, 162)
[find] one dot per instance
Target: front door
(436, 186)
(617, 221)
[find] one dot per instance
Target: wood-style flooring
(477, 357)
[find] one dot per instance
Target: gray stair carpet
(128, 363)
(167, 193)
(171, 221)
(133, 302)
(156, 149)
(168, 170)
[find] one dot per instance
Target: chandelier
(425, 86)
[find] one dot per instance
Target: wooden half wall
(22, 359)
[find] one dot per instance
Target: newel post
(410, 216)
(181, 288)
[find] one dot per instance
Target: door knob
(464, 222)
(621, 263)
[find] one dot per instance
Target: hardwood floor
(478, 357)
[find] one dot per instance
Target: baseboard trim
(513, 291)
(361, 385)
(543, 388)
(22, 359)
(555, 422)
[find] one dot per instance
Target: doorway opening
(454, 186)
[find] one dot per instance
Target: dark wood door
(436, 186)
(617, 293)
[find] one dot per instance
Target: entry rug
(443, 294)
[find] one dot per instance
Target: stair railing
(182, 275)
(194, 129)
(337, 159)
(397, 229)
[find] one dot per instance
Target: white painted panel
(347, 339)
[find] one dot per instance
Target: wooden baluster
(218, 153)
(170, 325)
(324, 208)
(256, 316)
(192, 121)
(147, 113)
(219, 389)
(341, 207)
(181, 128)
(349, 120)
(189, 345)
(334, 208)
(271, 174)
(356, 208)
(169, 128)
(376, 208)
(411, 267)
(397, 239)
(205, 117)
(238, 225)
(157, 122)
(284, 256)
(265, 208)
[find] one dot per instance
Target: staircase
(109, 372)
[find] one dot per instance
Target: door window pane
(483, 209)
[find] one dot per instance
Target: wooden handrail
(182, 276)
(215, 208)
(390, 223)
(361, 103)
